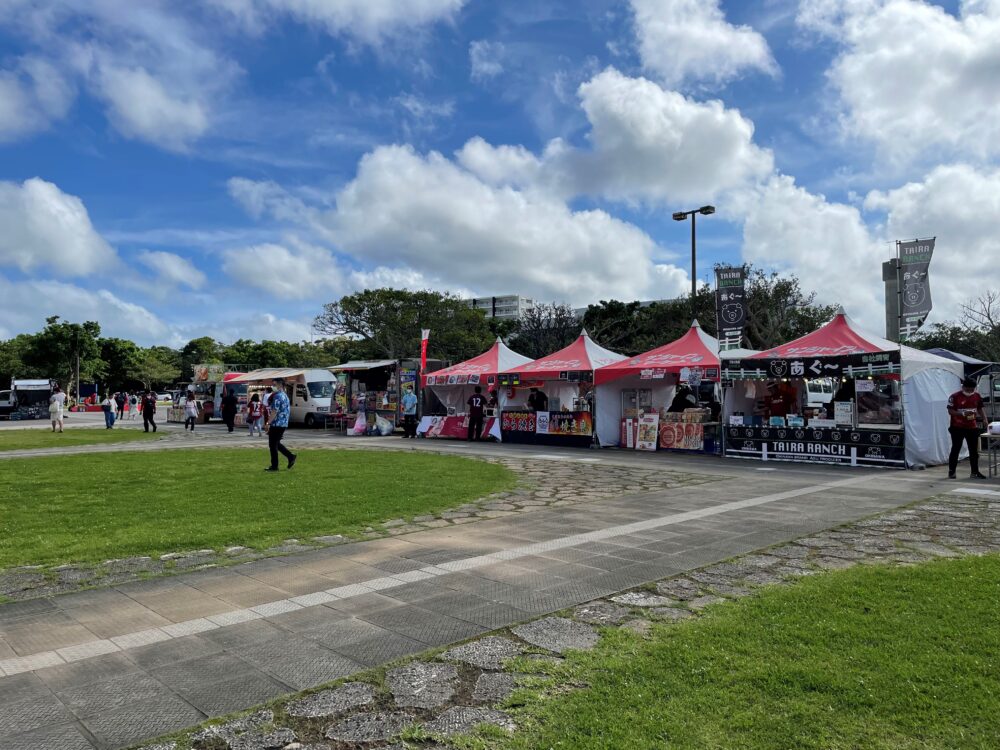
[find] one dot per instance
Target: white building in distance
(507, 307)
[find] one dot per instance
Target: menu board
(648, 432)
(843, 413)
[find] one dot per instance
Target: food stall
(454, 385)
(566, 378)
(889, 408)
(369, 392)
(635, 396)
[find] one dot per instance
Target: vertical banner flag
(730, 306)
(914, 285)
(425, 334)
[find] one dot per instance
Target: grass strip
(874, 657)
(89, 508)
(32, 439)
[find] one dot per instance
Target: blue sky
(175, 169)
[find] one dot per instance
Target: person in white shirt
(109, 406)
(56, 403)
(190, 411)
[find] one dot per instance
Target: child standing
(255, 415)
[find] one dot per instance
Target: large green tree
(55, 351)
(155, 368)
(203, 350)
(120, 358)
(387, 323)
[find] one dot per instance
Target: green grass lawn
(29, 439)
(873, 658)
(88, 508)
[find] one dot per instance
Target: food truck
(26, 399)
(889, 408)
(371, 392)
(210, 382)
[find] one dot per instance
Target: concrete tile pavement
(211, 642)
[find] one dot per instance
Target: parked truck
(26, 399)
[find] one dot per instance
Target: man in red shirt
(965, 406)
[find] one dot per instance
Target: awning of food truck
(583, 355)
(268, 373)
(362, 364)
(694, 349)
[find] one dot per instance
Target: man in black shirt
(538, 401)
(477, 406)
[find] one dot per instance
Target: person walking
(230, 404)
(120, 403)
(109, 406)
(148, 407)
(255, 415)
(126, 406)
(965, 407)
(280, 410)
(190, 411)
(57, 401)
(477, 407)
(409, 413)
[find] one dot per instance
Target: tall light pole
(681, 216)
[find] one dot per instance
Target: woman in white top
(190, 411)
(56, 403)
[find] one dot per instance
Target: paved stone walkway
(466, 686)
(109, 667)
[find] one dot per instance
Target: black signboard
(914, 285)
(730, 306)
(509, 380)
(854, 447)
(851, 366)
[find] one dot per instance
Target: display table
(989, 447)
(456, 427)
(572, 428)
(339, 421)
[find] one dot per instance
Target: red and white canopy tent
(453, 385)
(659, 370)
(560, 374)
(840, 349)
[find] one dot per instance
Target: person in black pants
(279, 423)
(149, 411)
(965, 406)
(230, 404)
(477, 407)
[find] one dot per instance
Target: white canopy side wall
(608, 403)
(455, 396)
(925, 413)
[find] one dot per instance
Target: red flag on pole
(425, 334)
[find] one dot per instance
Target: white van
(819, 392)
(310, 392)
(311, 396)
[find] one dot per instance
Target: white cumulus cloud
(298, 271)
(370, 21)
(45, 227)
(912, 78)
(172, 268)
(690, 41)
